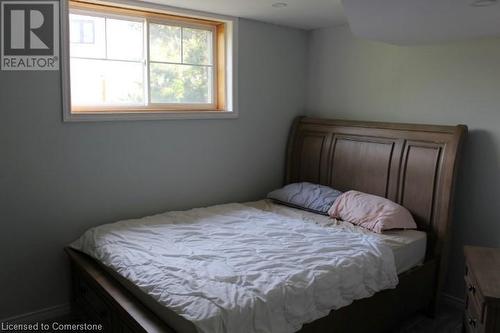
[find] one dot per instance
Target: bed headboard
(413, 165)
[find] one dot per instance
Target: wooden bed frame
(414, 165)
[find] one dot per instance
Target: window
(82, 31)
(140, 61)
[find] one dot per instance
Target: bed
(414, 165)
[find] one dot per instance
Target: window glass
(87, 36)
(106, 82)
(165, 43)
(197, 46)
(180, 83)
(124, 39)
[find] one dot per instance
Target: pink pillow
(371, 212)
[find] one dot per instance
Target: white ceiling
(403, 22)
(408, 22)
(304, 14)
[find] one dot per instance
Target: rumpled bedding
(237, 268)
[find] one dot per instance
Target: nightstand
(482, 288)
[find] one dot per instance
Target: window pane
(87, 36)
(125, 39)
(101, 82)
(165, 43)
(180, 84)
(197, 46)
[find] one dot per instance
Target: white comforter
(235, 268)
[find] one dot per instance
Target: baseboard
(46, 314)
(453, 301)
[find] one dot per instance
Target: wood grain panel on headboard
(367, 159)
(311, 158)
(413, 165)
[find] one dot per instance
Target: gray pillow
(308, 196)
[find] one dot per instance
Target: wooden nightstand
(482, 287)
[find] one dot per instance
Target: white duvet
(235, 268)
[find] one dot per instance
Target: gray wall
(58, 179)
(443, 84)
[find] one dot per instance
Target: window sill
(172, 115)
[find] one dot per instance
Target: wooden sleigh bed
(413, 165)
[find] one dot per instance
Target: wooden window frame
(223, 95)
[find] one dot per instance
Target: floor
(448, 320)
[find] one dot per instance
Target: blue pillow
(307, 196)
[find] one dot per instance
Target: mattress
(408, 246)
(369, 262)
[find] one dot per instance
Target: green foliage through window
(181, 64)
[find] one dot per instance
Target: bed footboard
(99, 299)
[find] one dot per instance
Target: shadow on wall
(477, 215)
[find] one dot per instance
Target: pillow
(307, 196)
(371, 212)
